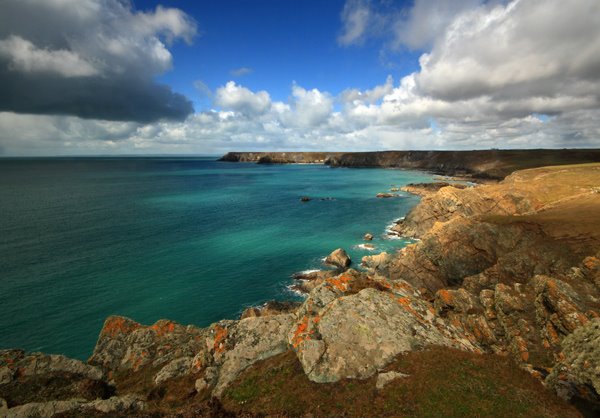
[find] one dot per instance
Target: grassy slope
(441, 382)
(569, 203)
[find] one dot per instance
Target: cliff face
(510, 268)
(492, 164)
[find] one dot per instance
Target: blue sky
(281, 42)
(86, 77)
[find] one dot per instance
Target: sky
(118, 77)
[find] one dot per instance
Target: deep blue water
(189, 239)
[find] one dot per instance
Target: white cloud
(310, 108)
(356, 17)
(427, 20)
(523, 49)
(238, 98)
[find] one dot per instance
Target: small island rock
(368, 237)
(339, 258)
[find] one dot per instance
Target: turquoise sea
(189, 239)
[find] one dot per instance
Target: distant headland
(491, 164)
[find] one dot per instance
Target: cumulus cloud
(89, 58)
(524, 49)
(427, 20)
(238, 98)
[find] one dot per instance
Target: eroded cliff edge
(511, 269)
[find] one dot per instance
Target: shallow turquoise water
(189, 239)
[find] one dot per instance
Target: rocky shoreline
(510, 269)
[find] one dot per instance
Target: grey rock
(581, 364)
(175, 368)
(338, 258)
(385, 378)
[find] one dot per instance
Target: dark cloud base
(125, 99)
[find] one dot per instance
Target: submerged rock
(338, 258)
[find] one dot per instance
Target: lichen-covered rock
(175, 368)
(458, 300)
(343, 334)
(121, 405)
(377, 262)
(559, 309)
(307, 281)
(39, 377)
(124, 344)
(578, 374)
(338, 258)
(237, 345)
(272, 307)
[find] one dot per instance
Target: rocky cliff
(492, 164)
(509, 269)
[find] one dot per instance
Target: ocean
(189, 239)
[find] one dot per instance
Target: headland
(492, 164)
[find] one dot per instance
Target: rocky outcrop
(270, 308)
(353, 325)
(578, 373)
(307, 282)
(338, 258)
(127, 346)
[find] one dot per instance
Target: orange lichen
(163, 327)
(340, 283)
(591, 263)
(139, 359)
(304, 330)
(198, 363)
(406, 304)
(522, 347)
(117, 325)
(220, 336)
(446, 296)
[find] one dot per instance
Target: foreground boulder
(338, 258)
(41, 377)
(578, 374)
(352, 325)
